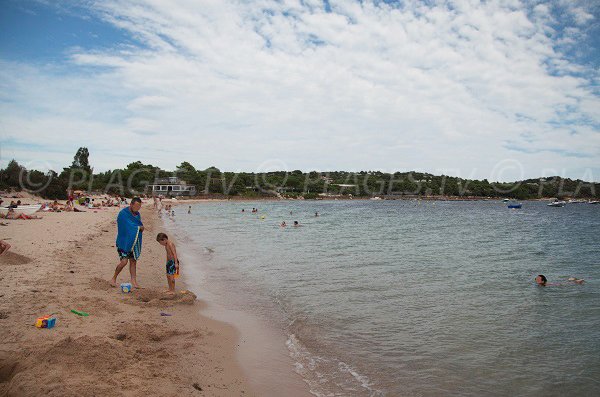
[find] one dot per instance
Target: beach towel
(129, 237)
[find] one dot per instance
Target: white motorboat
(594, 202)
(557, 204)
(22, 209)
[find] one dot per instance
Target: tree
(81, 160)
(11, 175)
(186, 171)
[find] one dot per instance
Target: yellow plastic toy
(46, 321)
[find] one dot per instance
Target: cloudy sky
(497, 89)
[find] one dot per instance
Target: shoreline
(262, 349)
(185, 200)
(125, 347)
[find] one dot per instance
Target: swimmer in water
(283, 224)
(296, 223)
(190, 209)
(576, 280)
(543, 282)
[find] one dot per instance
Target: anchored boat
(557, 204)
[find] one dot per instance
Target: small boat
(557, 204)
(594, 202)
(505, 200)
(515, 205)
(376, 198)
(22, 209)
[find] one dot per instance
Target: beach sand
(125, 347)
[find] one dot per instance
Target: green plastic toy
(79, 313)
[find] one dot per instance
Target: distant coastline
(139, 179)
(218, 198)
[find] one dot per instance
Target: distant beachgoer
(55, 206)
(173, 213)
(290, 212)
(316, 214)
(541, 280)
(296, 223)
(129, 239)
(4, 247)
(243, 210)
(283, 224)
(24, 216)
(172, 260)
(190, 209)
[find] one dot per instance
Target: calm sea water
(407, 298)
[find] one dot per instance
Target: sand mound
(154, 297)
(10, 258)
(100, 284)
(8, 368)
(94, 305)
(98, 365)
(88, 361)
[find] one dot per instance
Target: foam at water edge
(306, 365)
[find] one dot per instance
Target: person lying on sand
(23, 216)
(13, 215)
(172, 260)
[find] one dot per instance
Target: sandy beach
(125, 347)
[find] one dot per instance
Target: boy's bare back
(171, 251)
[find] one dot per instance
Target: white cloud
(462, 85)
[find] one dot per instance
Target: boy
(172, 261)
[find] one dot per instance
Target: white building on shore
(172, 186)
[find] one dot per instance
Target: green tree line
(135, 178)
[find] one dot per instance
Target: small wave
(327, 377)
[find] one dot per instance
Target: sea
(402, 297)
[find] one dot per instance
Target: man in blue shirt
(129, 239)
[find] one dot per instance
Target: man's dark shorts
(125, 254)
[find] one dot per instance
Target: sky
(502, 90)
